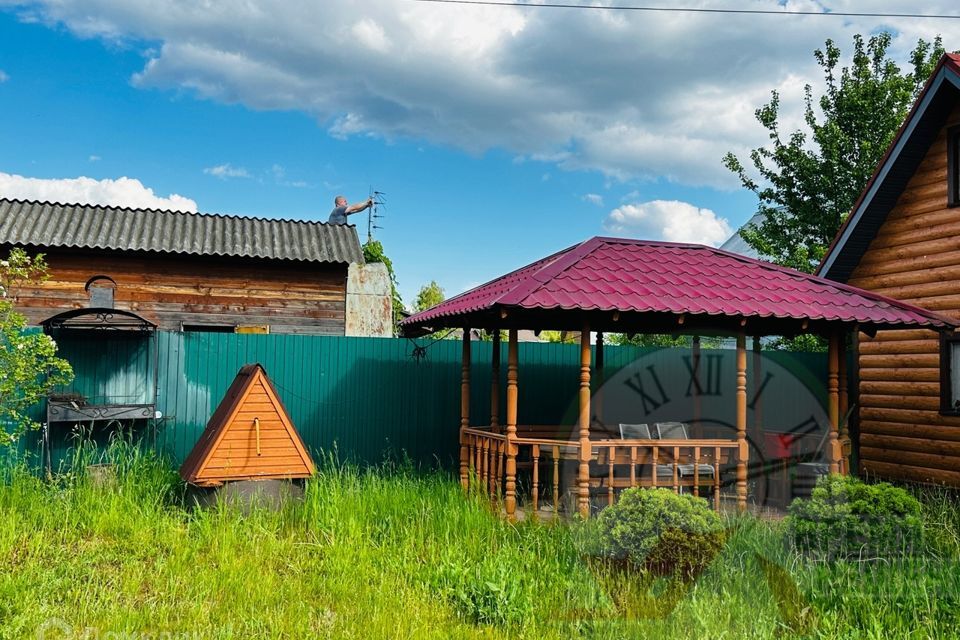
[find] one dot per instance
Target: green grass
(389, 553)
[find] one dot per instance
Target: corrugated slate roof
(82, 226)
(616, 274)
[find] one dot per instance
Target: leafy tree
(372, 253)
(662, 340)
(809, 180)
(430, 295)
(29, 366)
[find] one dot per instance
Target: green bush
(659, 531)
(847, 518)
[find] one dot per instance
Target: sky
(498, 134)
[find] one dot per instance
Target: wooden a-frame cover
(249, 437)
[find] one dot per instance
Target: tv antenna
(373, 213)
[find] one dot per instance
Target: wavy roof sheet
(615, 274)
(80, 226)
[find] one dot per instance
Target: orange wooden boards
(249, 437)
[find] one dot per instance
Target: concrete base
(250, 494)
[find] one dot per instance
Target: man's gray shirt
(338, 215)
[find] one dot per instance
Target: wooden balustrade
(693, 465)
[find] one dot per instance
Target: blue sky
(498, 135)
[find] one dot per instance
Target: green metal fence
(363, 396)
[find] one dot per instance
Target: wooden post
(465, 409)
(495, 384)
(510, 497)
(697, 421)
(583, 421)
(742, 422)
(833, 402)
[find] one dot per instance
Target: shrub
(29, 366)
(659, 531)
(847, 518)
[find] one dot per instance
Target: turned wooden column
(583, 421)
(833, 403)
(465, 409)
(495, 384)
(743, 450)
(510, 497)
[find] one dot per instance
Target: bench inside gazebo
(629, 286)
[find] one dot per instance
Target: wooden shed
(249, 437)
(185, 271)
(901, 240)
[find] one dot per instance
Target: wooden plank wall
(175, 290)
(915, 258)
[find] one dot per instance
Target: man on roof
(341, 209)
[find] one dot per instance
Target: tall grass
(391, 553)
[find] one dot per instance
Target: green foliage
(809, 180)
(661, 531)
(847, 518)
(666, 340)
(805, 343)
(29, 366)
(372, 253)
(430, 295)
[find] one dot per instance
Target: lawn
(390, 553)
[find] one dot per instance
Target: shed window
(950, 374)
(100, 289)
(953, 166)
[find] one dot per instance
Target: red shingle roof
(615, 274)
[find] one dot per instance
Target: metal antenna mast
(373, 213)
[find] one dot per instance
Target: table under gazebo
(626, 286)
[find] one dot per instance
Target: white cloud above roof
(120, 192)
(227, 170)
(669, 220)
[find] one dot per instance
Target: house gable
(924, 125)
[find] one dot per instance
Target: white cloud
(3, 76)
(670, 220)
(227, 170)
(630, 94)
(94, 158)
(593, 198)
(122, 192)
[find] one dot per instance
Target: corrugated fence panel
(365, 397)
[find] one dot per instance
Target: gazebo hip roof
(625, 284)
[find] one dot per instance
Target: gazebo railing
(697, 465)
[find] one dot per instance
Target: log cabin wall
(174, 291)
(915, 257)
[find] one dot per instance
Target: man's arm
(360, 206)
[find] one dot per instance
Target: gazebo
(638, 286)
